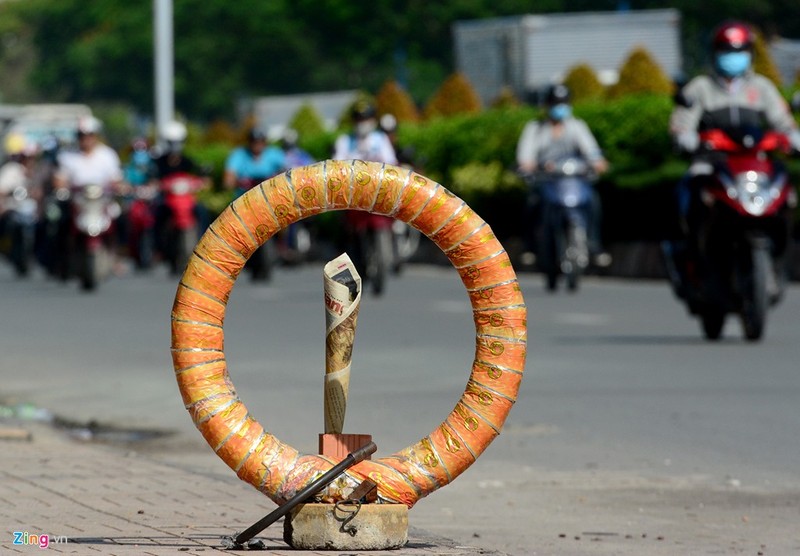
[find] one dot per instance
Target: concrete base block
(320, 527)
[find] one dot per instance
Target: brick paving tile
(103, 500)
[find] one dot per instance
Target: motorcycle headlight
(93, 192)
(20, 194)
(753, 191)
(181, 187)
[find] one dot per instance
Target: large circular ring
(258, 457)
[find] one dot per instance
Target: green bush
(307, 121)
(583, 83)
(633, 132)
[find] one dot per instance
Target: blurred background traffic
(453, 85)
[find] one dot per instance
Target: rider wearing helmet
(366, 142)
(560, 135)
(732, 95)
(173, 160)
(140, 166)
(248, 165)
(17, 170)
(92, 163)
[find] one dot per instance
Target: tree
(455, 96)
(583, 83)
(640, 73)
(393, 99)
(506, 99)
(307, 121)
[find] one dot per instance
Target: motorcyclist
(170, 161)
(246, 166)
(173, 159)
(139, 168)
(18, 167)
(732, 97)
(18, 201)
(560, 135)
(295, 156)
(92, 163)
(366, 141)
(295, 241)
(369, 143)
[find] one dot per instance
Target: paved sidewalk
(98, 499)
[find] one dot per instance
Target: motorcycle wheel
(576, 256)
(185, 241)
(712, 321)
(146, 250)
(90, 273)
(378, 252)
(21, 251)
(550, 258)
(405, 242)
(262, 262)
(755, 302)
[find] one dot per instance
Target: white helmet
(89, 125)
(174, 132)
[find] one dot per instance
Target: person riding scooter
(543, 144)
(735, 201)
(369, 236)
(732, 97)
(19, 202)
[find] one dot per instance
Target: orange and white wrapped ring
(258, 457)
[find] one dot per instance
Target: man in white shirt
(93, 162)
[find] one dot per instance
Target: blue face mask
(733, 64)
(559, 112)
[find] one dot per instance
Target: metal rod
(324, 480)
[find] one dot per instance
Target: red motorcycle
(739, 228)
(142, 225)
(181, 228)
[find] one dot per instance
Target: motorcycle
(565, 193)
(405, 242)
(371, 237)
(739, 227)
(180, 228)
(263, 261)
(19, 225)
(94, 213)
(142, 223)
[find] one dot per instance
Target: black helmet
(557, 94)
(255, 135)
(363, 110)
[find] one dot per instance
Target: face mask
(365, 128)
(733, 64)
(560, 112)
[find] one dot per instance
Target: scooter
(181, 227)
(371, 237)
(19, 225)
(142, 223)
(94, 213)
(565, 193)
(738, 229)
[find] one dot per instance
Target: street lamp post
(164, 64)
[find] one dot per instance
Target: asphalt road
(631, 434)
